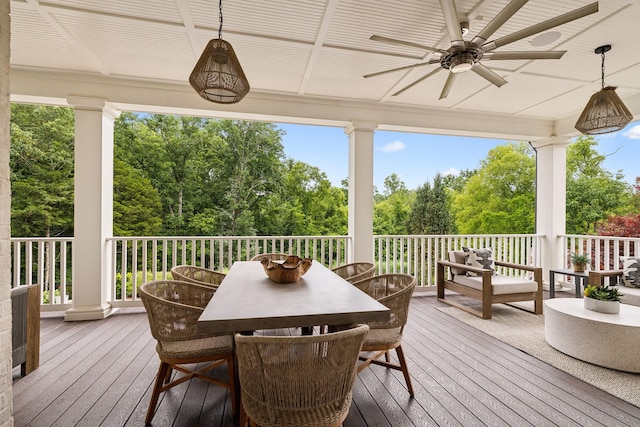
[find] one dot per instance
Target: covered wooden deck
(99, 373)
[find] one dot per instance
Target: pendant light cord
(220, 29)
(602, 54)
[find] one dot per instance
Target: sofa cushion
(481, 258)
(459, 258)
(631, 271)
(630, 295)
(500, 284)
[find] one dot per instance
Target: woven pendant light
(605, 112)
(218, 76)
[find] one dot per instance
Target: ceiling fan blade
(543, 26)
(417, 81)
(404, 43)
(447, 85)
(548, 54)
(483, 71)
(406, 67)
(452, 22)
(498, 21)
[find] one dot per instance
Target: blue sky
(416, 158)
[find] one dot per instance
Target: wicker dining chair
(355, 271)
(271, 256)
(198, 275)
(393, 291)
(300, 381)
(173, 309)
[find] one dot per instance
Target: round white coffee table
(609, 340)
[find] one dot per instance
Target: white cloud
(451, 171)
(633, 133)
(393, 147)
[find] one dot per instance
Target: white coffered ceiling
(305, 60)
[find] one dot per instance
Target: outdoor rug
(525, 331)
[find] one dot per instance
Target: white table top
(248, 300)
(629, 315)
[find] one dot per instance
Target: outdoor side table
(580, 277)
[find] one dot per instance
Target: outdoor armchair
(393, 291)
(173, 309)
(485, 285)
(299, 381)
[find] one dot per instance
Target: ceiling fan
(464, 55)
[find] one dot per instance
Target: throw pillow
(631, 271)
(482, 258)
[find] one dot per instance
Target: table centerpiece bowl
(288, 271)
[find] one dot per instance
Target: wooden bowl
(288, 271)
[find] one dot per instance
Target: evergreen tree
(430, 210)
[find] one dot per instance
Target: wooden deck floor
(99, 373)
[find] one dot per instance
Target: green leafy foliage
(593, 193)
(603, 293)
(500, 197)
(41, 163)
(392, 208)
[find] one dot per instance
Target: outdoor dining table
(247, 300)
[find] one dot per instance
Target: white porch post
(551, 199)
(6, 377)
(93, 212)
(361, 189)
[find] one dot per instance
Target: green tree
(41, 162)
(499, 198)
(391, 210)
(245, 170)
(137, 208)
(430, 210)
(306, 204)
(593, 193)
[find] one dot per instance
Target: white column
(551, 199)
(361, 189)
(6, 378)
(93, 209)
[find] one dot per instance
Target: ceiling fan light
(461, 62)
(605, 112)
(218, 76)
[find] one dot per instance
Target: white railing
(140, 259)
(48, 262)
(605, 251)
(418, 255)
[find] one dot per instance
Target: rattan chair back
(393, 291)
(173, 308)
(298, 380)
(271, 256)
(355, 271)
(199, 275)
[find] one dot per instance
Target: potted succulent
(580, 261)
(605, 299)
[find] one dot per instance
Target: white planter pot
(610, 307)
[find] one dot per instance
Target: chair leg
(405, 369)
(157, 388)
(233, 385)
